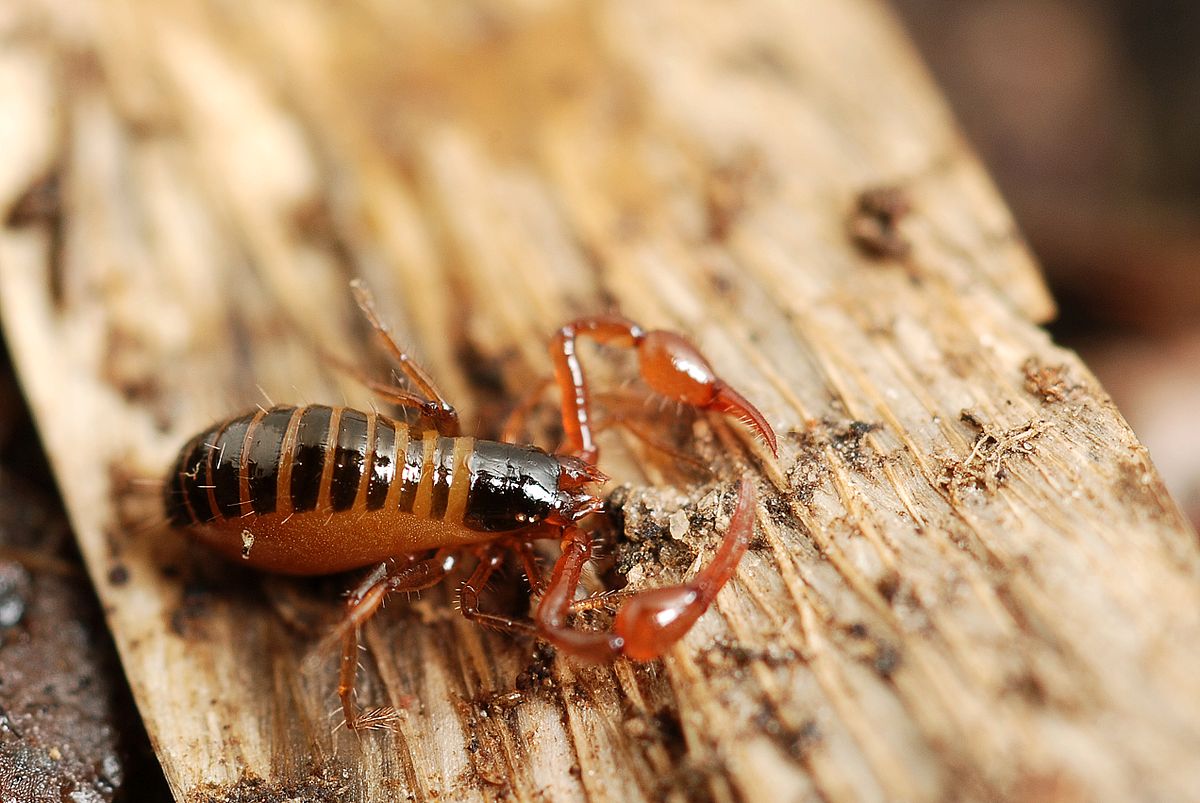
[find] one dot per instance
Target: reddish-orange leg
(443, 416)
(649, 622)
(670, 365)
(411, 574)
(361, 605)
(529, 563)
(514, 424)
(491, 558)
(429, 400)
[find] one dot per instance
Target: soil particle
(888, 585)
(880, 654)
(1050, 383)
(539, 673)
(484, 744)
(725, 653)
(663, 531)
(985, 467)
(847, 441)
(811, 469)
(118, 575)
(797, 742)
(873, 224)
(325, 785)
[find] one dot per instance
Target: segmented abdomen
(291, 460)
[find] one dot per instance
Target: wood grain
(968, 582)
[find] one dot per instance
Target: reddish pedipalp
(729, 401)
(649, 622)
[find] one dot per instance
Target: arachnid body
(321, 489)
(317, 489)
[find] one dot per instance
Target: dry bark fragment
(490, 173)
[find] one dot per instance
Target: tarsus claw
(728, 400)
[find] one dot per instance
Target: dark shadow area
(69, 729)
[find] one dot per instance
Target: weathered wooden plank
(968, 582)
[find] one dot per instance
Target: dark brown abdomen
(293, 460)
(317, 489)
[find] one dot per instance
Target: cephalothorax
(318, 489)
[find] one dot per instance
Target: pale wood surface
(968, 583)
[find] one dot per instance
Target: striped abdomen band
(330, 459)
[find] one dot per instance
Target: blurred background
(1087, 115)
